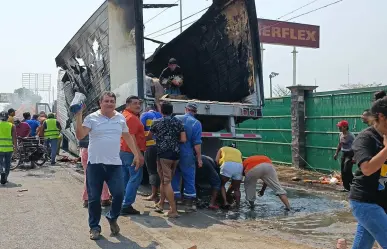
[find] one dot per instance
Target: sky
(353, 36)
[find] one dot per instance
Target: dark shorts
(151, 165)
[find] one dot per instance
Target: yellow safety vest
(229, 154)
(6, 143)
(51, 130)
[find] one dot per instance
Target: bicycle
(31, 150)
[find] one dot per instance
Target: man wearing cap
(346, 139)
(172, 78)
(190, 153)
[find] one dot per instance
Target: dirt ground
(45, 211)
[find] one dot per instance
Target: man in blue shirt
(190, 153)
(33, 123)
(150, 156)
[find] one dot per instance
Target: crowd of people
(115, 146)
(14, 131)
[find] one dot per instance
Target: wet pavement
(317, 219)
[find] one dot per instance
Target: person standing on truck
(7, 146)
(105, 128)
(169, 133)
(172, 78)
(147, 119)
(132, 175)
(261, 167)
(229, 158)
(11, 115)
(51, 129)
(33, 123)
(190, 153)
(346, 139)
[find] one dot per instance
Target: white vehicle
(219, 55)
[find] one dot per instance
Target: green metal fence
(275, 129)
(323, 111)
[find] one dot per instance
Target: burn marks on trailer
(215, 54)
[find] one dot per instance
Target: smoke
(23, 100)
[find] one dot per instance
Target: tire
(16, 164)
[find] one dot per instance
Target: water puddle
(316, 219)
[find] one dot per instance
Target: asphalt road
(42, 208)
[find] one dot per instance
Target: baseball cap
(343, 123)
(192, 107)
(172, 61)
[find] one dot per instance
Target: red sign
(289, 33)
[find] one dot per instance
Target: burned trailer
(219, 55)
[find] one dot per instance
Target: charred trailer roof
(219, 54)
(102, 55)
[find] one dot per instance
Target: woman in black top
(368, 195)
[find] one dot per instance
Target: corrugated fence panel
(275, 129)
(323, 112)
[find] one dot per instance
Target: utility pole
(181, 16)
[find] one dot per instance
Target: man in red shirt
(22, 129)
(132, 174)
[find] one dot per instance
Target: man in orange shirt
(132, 174)
(261, 167)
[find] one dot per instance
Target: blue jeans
(5, 162)
(372, 225)
(187, 170)
(132, 178)
(53, 145)
(96, 175)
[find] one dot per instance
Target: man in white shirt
(105, 128)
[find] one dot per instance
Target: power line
(160, 13)
(174, 29)
(178, 22)
(322, 7)
(303, 14)
(297, 9)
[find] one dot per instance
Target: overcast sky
(353, 32)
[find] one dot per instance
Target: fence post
(298, 110)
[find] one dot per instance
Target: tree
(359, 85)
(25, 94)
(280, 91)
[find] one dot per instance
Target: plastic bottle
(77, 103)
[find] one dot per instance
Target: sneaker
(114, 228)
(95, 234)
(106, 203)
(3, 179)
(129, 211)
